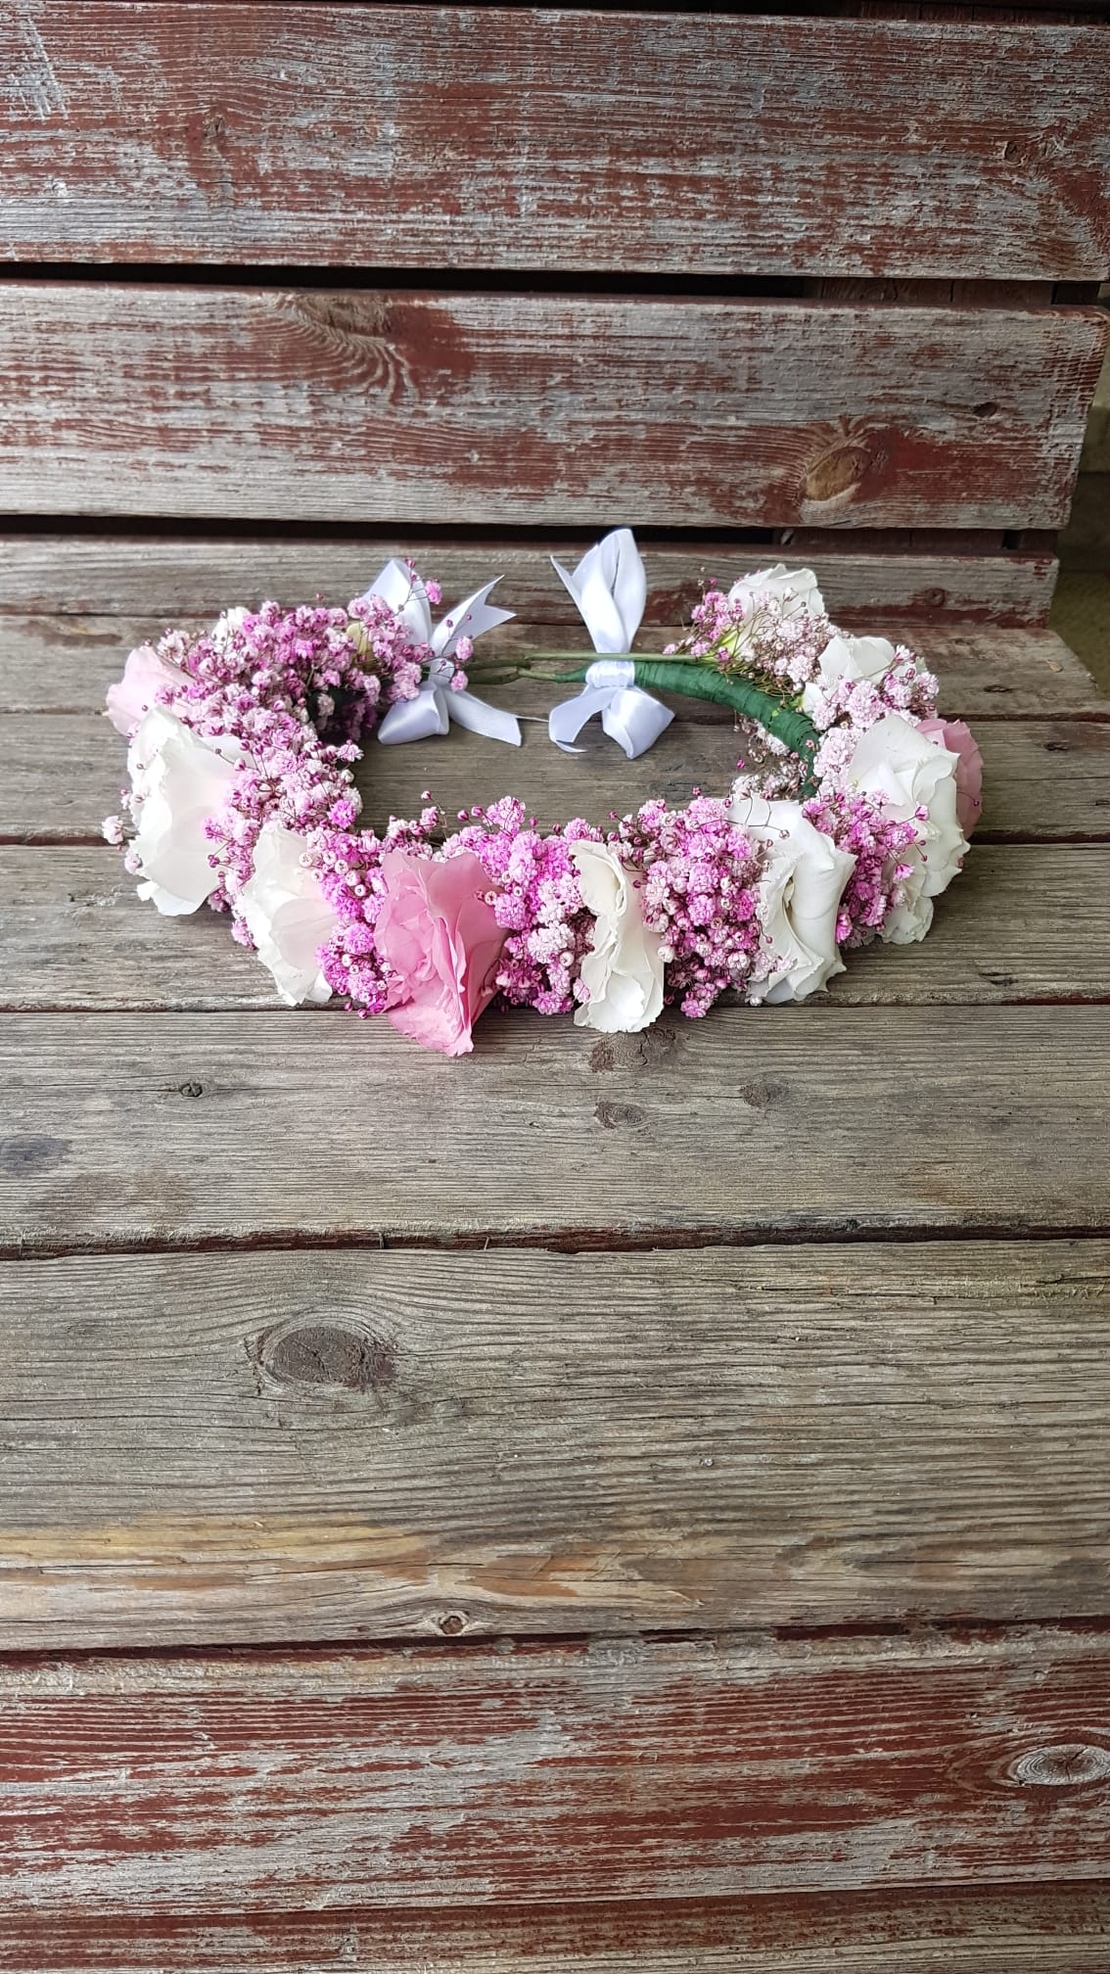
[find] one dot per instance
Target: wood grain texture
(295, 1446)
(1025, 923)
(470, 138)
(428, 1777)
(174, 577)
(1049, 1929)
(410, 408)
(63, 663)
(1046, 779)
(820, 1121)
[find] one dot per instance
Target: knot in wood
(1064, 1765)
(328, 1355)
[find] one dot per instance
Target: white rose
(795, 589)
(844, 657)
(799, 894)
(180, 780)
(287, 914)
(908, 771)
(623, 970)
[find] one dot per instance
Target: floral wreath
(849, 816)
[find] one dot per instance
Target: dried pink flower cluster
(764, 642)
(537, 898)
(878, 842)
(298, 689)
(699, 890)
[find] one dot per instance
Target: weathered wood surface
(285, 1446)
(429, 1777)
(410, 408)
(1058, 1929)
(58, 663)
(123, 1131)
(1027, 922)
(1045, 779)
(171, 577)
(470, 138)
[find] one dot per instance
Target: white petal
(287, 915)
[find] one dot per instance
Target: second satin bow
(629, 715)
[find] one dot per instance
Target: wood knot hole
(1064, 1765)
(331, 1355)
(452, 1624)
(190, 1089)
(837, 472)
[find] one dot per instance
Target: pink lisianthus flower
(957, 737)
(438, 933)
(147, 681)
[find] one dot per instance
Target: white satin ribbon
(629, 715)
(435, 706)
(402, 589)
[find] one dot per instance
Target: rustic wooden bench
(613, 1503)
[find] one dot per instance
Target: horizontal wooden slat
(430, 1778)
(173, 577)
(62, 663)
(1025, 923)
(1045, 778)
(818, 1121)
(295, 1446)
(471, 138)
(1050, 1929)
(410, 408)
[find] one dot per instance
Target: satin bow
(435, 706)
(629, 715)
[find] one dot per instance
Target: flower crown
(849, 817)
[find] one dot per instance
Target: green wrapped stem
(705, 682)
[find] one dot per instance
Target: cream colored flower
(180, 780)
(795, 589)
(287, 914)
(623, 969)
(895, 761)
(799, 895)
(856, 658)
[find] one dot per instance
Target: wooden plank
(210, 134)
(171, 577)
(542, 409)
(176, 1129)
(294, 1446)
(1045, 779)
(1050, 1929)
(259, 1784)
(1024, 923)
(64, 663)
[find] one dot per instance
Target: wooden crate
(632, 1502)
